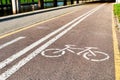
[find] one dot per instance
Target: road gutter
(116, 49)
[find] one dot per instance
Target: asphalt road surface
(74, 46)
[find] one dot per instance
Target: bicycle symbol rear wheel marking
(55, 53)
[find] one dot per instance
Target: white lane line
(11, 42)
(22, 52)
(21, 63)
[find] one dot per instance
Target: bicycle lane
(94, 31)
(71, 66)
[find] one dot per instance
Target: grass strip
(117, 10)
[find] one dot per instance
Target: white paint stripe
(22, 52)
(16, 67)
(11, 42)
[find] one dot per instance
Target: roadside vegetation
(117, 10)
(25, 1)
(22, 1)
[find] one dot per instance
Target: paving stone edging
(117, 23)
(117, 26)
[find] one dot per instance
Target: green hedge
(117, 10)
(25, 1)
(5, 1)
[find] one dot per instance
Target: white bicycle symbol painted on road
(87, 52)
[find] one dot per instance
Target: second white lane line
(21, 63)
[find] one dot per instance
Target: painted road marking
(22, 52)
(11, 42)
(87, 53)
(21, 63)
(116, 50)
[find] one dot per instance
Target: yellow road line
(27, 27)
(116, 51)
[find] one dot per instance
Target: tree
(41, 4)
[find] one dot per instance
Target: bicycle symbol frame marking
(87, 52)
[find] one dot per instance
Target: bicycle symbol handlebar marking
(87, 53)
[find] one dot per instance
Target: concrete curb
(117, 23)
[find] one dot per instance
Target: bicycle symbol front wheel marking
(104, 56)
(52, 53)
